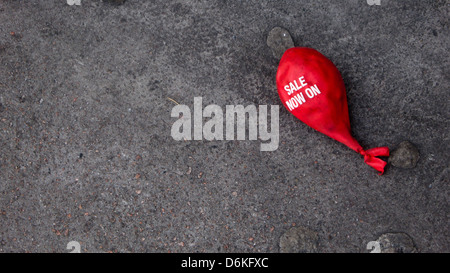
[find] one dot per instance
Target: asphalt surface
(86, 152)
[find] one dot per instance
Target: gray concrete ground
(85, 147)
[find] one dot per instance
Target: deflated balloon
(312, 89)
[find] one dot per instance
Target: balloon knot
(370, 157)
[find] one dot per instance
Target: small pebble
(279, 40)
(405, 156)
(22, 99)
(396, 243)
(299, 240)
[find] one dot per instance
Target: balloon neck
(370, 157)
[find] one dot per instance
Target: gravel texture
(86, 155)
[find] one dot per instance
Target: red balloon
(312, 89)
